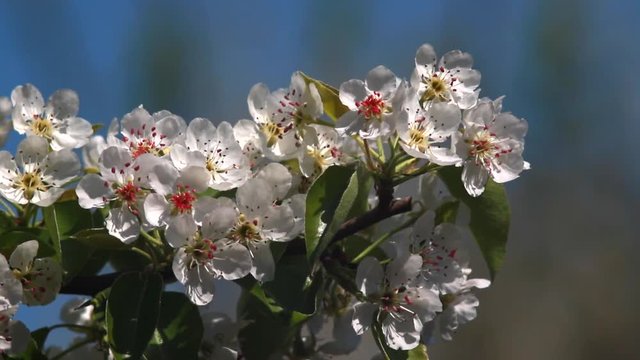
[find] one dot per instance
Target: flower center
(146, 141)
(41, 126)
(202, 252)
(183, 200)
(245, 231)
(372, 106)
(395, 300)
(484, 147)
(144, 146)
(31, 182)
(418, 139)
(128, 193)
(438, 86)
(273, 132)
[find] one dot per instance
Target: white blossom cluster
(219, 195)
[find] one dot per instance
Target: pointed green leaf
(63, 219)
(329, 202)
(179, 329)
(132, 313)
(333, 107)
(490, 216)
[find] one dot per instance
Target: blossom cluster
(218, 195)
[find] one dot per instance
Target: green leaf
(329, 201)
(447, 212)
(75, 255)
(291, 287)
(490, 216)
(269, 330)
(331, 103)
(99, 238)
(179, 329)
(12, 238)
(63, 219)
(417, 353)
(133, 307)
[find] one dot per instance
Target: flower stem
(73, 347)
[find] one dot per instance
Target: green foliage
(489, 216)
(179, 330)
(292, 286)
(328, 206)
(333, 107)
(63, 219)
(132, 312)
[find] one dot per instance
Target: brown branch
(379, 213)
(91, 285)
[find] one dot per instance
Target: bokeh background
(570, 287)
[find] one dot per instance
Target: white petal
(156, 209)
(162, 178)
(278, 177)
(180, 229)
(369, 276)
(404, 270)
(363, 317)
(93, 192)
(195, 177)
(32, 151)
(206, 205)
(352, 91)
(457, 58)
(426, 55)
(254, 197)
(219, 221)
(46, 279)
(474, 178)
(231, 260)
(507, 125)
(277, 222)
(382, 80)
(76, 134)
(263, 267)
(28, 102)
(122, 224)
(402, 334)
(22, 257)
(113, 162)
(61, 166)
(200, 286)
(199, 133)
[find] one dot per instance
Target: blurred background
(570, 287)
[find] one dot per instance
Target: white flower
(283, 116)
(443, 260)
(201, 259)
(40, 279)
(5, 118)
(143, 133)
(14, 336)
(120, 181)
(401, 306)
(175, 195)
(460, 307)
(490, 145)
(35, 175)
(92, 151)
(56, 122)
(451, 80)
(323, 148)
(213, 149)
(423, 131)
(369, 103)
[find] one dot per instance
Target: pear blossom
(422, 131)
(40, 279)
(143, 133)
(371, 114)
(322, 149)
(35, 175)
(175, 195)
(450, 80)
(393, 298)
(201, 257)
(120, 183)
(460, 307)
(284, 115)
(14, 335)
(213, 149)
(56, 121)
(490, 145)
